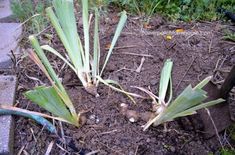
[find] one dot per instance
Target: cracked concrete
(5, 9)
(7, 97)
(9, 35)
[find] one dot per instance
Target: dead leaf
(107, 46)
(168, 37)
(179, 30)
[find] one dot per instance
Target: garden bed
(195, 52)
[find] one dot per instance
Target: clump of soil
(194, 53)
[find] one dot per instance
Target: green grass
(186, 10)
(227, 152)
(230, 36)
(32, 12)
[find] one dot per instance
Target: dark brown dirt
(107, 130)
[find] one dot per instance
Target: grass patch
(186, 10)
(230, 36)
(31, 11)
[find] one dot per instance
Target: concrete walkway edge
(9, 34)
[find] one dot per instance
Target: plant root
(134, 116)
(92, 89)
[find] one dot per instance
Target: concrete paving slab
(7, 97)
(5, 9)
(10, 34)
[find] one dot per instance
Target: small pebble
(148, 140)
(92, 117)
(97, 120)
(172, 149)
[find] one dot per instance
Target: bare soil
(194, 54)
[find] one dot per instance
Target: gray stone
(7, 97)
(10, 34)
(5, 9)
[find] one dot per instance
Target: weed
(227, 152)
(186, 10)
(229, 36)
(32, 12)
